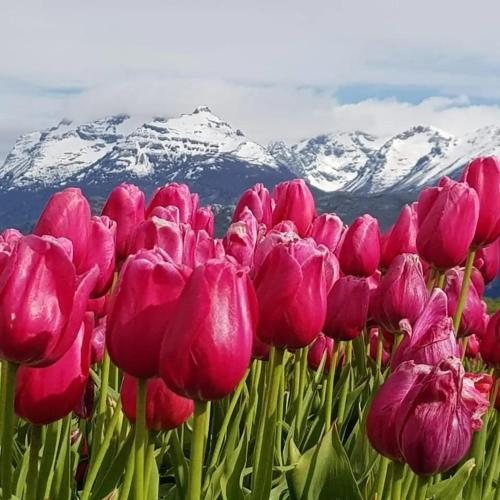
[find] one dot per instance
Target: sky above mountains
(284, 69)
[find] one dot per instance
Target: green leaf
(323, 472)
(451, 488)
(231, 488)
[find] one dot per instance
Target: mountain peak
(202, 109)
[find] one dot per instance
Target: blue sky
(280, 69)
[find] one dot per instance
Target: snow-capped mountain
(220, 161)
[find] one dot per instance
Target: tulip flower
(204, 219)
(259, 202)
(8, 240)
(170, 214)
(474, 308)
(327, 229)
(401, 237)
(347, 308)
(98, 340)
(490, 343)
(42, 302)
(322, 346)
(360, 251)
(291, 285)
(165, 410)
(487, 260)
(101, 253)
(472, 350)
(67, 215)
(142, 306)
(44, 395)
(477, 281)
(447, 219)
(199, 247)
(285, 226)
(431, 339)
(10, 235)
(207, 346)
(295, 202)
(483, 175)
(402, 293)
(426, 416)
(241, 238)
(177, 195)
(125, 205)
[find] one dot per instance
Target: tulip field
(294, 358)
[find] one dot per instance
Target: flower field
(295, 358)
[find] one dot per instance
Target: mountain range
(349, 172)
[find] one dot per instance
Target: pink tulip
(374, 336)
(98, 340)
(170, 214)
(177, 195)
(291, 285)
(474, 309)
(431, 339)
(241, 238)
(347, 308)
(490, 343)
(477, 281)
(207, 346)
(42, 302)
(125, 205)
(165, 410)
(327, 229)
(401, 237)
(259, 202)
(142, 306)
(487, 260)
(204, 219)
(44, 395)
(295, 202)
(101, 253)
(425, 416)
(483, 175)
(322, 346)
(360, 251)
(472, 350)
(67, 215)
(286, 226)
(8, 241)
(402, 293)
(447, 222)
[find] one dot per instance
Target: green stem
(464, 290)
(279, 423)
(329, 387)
(201, 415)
(129, 476)
(32, 477)
(382, 474)
(49, 453)
(8, 429)
(263, 466)
(101, 404)
(150, 458)
(140, 439)
(421, 489)
(397, 480)
(440, 280)
(432, 279)
(495, 450)
(96, 464)
(345, 388)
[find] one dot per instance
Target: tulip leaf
(231, 487)
(323, 472)
(21, 473)
(451, 488)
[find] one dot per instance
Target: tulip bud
(286, 226)
(360, 251)
(291, 285)
(67, 215)
(474, 309)
(44, 395)
(425, 416)
(447, 219)
(142, 306)
(125, 205)
(98, 340)
(402, 293)
(170, 214)
(177, 195)
(259, 202)
(8, 241)
(347, 308)
(101, 253)
(199, 247)
(165, 410)
(432, 338)
(10, 235)
(42, 302)
(241, 238)
(327, 230)
(401, 237)
(487, 260)
(204, 219)
(472, 350)
(295, 202)
(322, 346)
(208, 344)
(490, 343)
(477, 281)
(483, 175)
